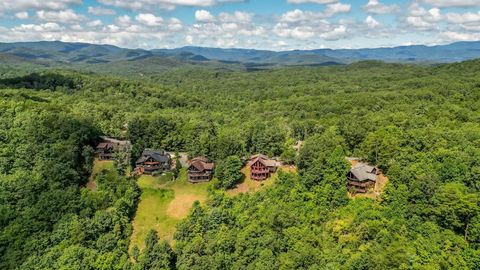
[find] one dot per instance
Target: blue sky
(260, 24)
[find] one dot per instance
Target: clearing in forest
(249, 185)
(98, 166)
(377, 190)
(163, 204)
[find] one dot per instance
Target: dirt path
(180, 206)
(163, 204)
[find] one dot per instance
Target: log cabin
(261, 167)
(153, 162)
(200, 169)
(106, 149)
(362, 177)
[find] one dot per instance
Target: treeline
(419, 124)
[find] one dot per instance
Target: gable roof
(364, 172)
(114, 141)
(265, 160)
(157, 155)
(104, 145)
(256, 156)
(111, 143)
(202, 163)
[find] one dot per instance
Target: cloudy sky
(260, 24)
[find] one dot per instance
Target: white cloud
(99, 11)
(164, 4)
(308, 25)
(46, 27)
(204, 16)
(22, 15)
(220, 30)
(452, 36)
(371, 22)
(14, 5)
(312, 1)
(336, 8)
(124, 20)
(297, 15)
(375, 7)
(149, 19)
(468, 17)
(452, 3)
(336, 34)
(175, 25)
(63, 16)
(467, 21)
(237, 16)
(300, 32)
(420, 18)
(95, 23)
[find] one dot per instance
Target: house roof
(104, 145)
(364, 172)
(261, 156)
(202, 163)
(114, 141)
(113, 144)
(158, 155)
(265, 160)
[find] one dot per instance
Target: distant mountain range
(102, 57)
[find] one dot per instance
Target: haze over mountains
(100, 57)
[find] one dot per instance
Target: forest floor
(98, 166)
(248, 185)
(163, 204)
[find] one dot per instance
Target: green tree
(228, 172)
(455, 207)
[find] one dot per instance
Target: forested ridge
(418, 123)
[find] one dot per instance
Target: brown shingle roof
(265, 160)
(202, 163)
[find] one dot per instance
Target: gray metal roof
(158, 155)
(364, 172)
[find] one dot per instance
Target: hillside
(138, 62)
(417, 123)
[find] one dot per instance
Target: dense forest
(419, 123)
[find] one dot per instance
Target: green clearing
(248, 185)
(163, 204)
(98, 166)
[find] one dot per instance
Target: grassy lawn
(249, 185)
(98, 166)
(163, 204)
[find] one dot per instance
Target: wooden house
(261, 167)
(200, 169)
(153, 161)
(106, 149)
(362, 177)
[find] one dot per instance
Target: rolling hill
(112, 59)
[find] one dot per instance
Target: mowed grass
(163, 204)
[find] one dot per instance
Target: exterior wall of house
(196, 176)
(360, 186)
(151, 166)
(259, 172)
